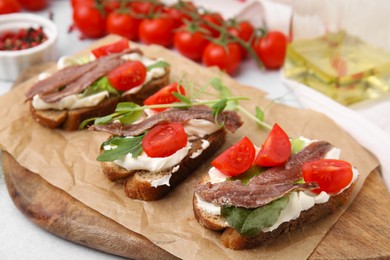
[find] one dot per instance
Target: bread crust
(231, 238)
(137, 184)
(70, 120)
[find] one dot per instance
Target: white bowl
(12, 63)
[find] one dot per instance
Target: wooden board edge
(59, 213)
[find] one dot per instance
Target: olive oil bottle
(341, 66)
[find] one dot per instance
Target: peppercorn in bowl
(25, 40)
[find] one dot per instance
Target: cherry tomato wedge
(111, 48)
(127, 76)
(236, 159)
(165, 96)
(164, 140)
(276, 148)
(331, 175)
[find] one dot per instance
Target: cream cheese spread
(200, 127)
(70, 102)
(144, 162)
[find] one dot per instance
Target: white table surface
(21, 239)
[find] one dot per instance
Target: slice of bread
(70, 119)
(231, 238)
(138, 184)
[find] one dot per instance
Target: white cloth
(368, 134)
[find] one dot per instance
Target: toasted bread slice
(231, 238)
(70, 120)
(138, 184)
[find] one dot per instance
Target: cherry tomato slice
(165, 96)
(276, 148)
(236, 159)
(164, 140)
(111, 48)
(127, 76)
(331, 175)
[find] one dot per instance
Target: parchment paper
(67, 161)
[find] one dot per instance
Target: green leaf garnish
(224, 92)
(182, 98)
(297, 145)
(100, 85)
(259, 114)
(250, 222)
(103, 120)
(125, 112)
(158, 64)
(122, 147)
(217, 109)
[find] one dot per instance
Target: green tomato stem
(223, 31)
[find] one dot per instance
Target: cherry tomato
(34, 5)
(271, 49)
(89, 20)
(164, 140)
(146, 8)
(75, 3)
(236, 159)
(190, 44)
(243, 30)
(9, 6)
(111, 5)
(331, 175)
(177, 15)
(165, 96)
(123, 24)
(276, 148)
(115, 47)
(216, 55)
(127, 76)
(157, 31)
(214, 18)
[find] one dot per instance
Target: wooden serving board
(363, 232)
